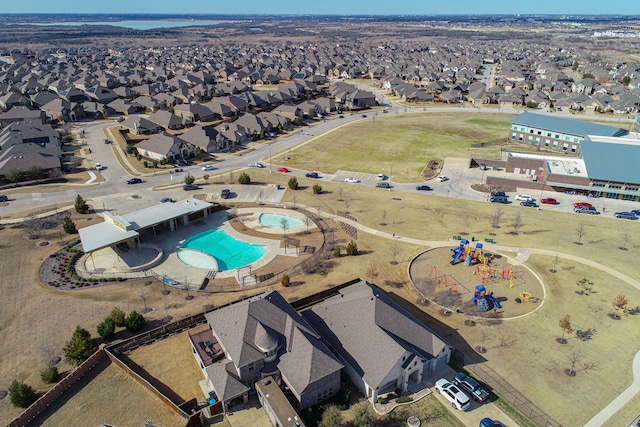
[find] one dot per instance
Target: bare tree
(590, 365)
(394, 251)
(49, 351)
(260, 196)
(619, 303)
(484, 335)
(372, 271)
(517, 222)
(565, 324)
(347, 203)
(625, 240)
(307, 222)
(231, 177)
(580, 231)
(496, 217)
(284, 224)
(465, 225)
(144, 295)
(294, 200)
(555, 263)
(573, 358)
(383, 214)
(340, 193)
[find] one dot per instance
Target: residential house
(194, 112)
(382, 346)
(21, 114)
(167, 120)
(207, 138)
(29, 143)
(163, 146)
(264, 336)
(138, 125)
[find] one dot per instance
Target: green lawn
(406, 141)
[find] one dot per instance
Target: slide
(495, 303)
(456, 255)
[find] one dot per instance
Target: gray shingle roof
(371, 332)
(612, 159)
(566, 126)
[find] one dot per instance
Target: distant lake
(136, 25)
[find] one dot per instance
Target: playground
(470, 280)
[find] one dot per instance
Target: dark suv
(225, 193)
(471, 386)
(585, 209)
(499, 199)
(190, 187)
(311, 175)
(134, 181)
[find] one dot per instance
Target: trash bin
(496, 167)
(473, 239)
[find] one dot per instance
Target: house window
(629, 197)
(573, 148)
(520, 137)
(575, 139)
(555, 145)
(546, 142)
(557, 136)
(515, 127)
(251, 367)
(537, 141)
(531, 130)
(549, 134)
(530, 139)
(521, 129)
(539, 132)
(513, 136)
(566, 138)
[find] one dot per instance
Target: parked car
(529, 204)
(585, 204)
(498, 193)
(167, 200)
(523, 197)
(423, 188)
(499, 199)
(99, 167)
(584, 209)
(442, 178)
(364, 116)
(383, 185)
(471, 386)
(225, 193)
(190, 187)
(549, 201)
(208, 168)
(636, 212)
(625, 215)
(312, 175)
(453, 394)
(283, 170)
(341, 116)
(352, 180)
(106, 141)
(483, 167)
(488, 422)
(3, 198)
(256, 165)
(134, 181)
(381, 177)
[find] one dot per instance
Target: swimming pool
(206, 249)
(274, 220)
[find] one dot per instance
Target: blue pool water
(228, 252)
(273, 220)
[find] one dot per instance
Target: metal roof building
(566, 126)
(612, 159)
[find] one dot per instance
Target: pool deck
(108, 262)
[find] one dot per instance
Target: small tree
(21, 395)
(244, 178)
(394, 251)
(340, 193)
(580, 231)
(331, 417)
(317, 189)
(565, 324)
(134, 321)
(362, 414)
(352, 248)
(285, 281)
(336, 252)
(555, 264)
(372, 271)
(625, 240)
(189, 179)
(465, 225)
(517, 222)
(80, 205)
(118, 317)
(69, 226)
(49, 375)
(573, 358)
(383, 214)
(80, 347)
(107, 328)
(496, 217)
(293, 183)
(619, 303)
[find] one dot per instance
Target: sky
(330, 7)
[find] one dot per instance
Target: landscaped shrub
(80, 205)
(403, 399)
(134, 321)
(69, 226)
(107, 328)
(21, 395)
(336, 252)
(49, 375)
(317, 189)
(244, 178)
(352, 248)
(79, 347)
(189, 179)
(286, 280)
(293, 183)
(117, 316)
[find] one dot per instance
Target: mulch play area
(516, 290)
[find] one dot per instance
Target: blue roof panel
(566, 126)
(611, 161)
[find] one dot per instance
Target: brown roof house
(264, 336)
(207, 138)
(27, 144)
(165, 146)
(382, 346)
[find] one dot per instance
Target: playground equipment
(443, 280)
(523, 296)
(468, 255)
(482, 299)
(507, 274)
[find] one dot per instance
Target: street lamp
(270, 170)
